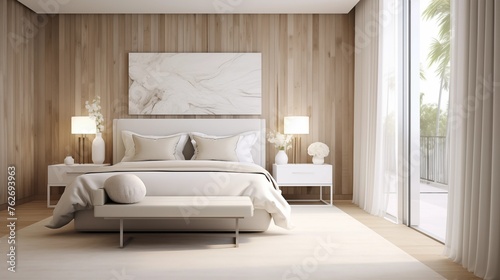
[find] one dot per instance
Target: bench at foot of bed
(180, 207)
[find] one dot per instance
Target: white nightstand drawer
(298, 174)
(60, 175)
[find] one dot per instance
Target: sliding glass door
(429, 60)
(401, 126)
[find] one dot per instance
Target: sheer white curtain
(473, 229)
(375, 105)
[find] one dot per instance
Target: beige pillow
(128, 143)
(244, 147)
(125, 188)
(215, 148)
(155, 148)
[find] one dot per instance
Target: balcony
(433, 162)
(433, 186)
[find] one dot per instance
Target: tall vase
(98, 149)
(281, 157)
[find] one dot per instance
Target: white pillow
(129, 144)
(125, 188)
(155, 148)
(244, 146)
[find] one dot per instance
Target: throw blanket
(182, 178)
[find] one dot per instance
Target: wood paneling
(18, 26)
(304, 73)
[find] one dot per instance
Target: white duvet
(186, 177)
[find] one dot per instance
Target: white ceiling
(190, 6)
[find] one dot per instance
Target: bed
(226, 158)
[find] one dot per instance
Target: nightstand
(305, 175)
(62, 175)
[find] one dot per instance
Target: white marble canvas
(195, 84)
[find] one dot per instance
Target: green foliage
(422, 74)
(439, 55)
(428, 120)
(441, 10)
(440, 47)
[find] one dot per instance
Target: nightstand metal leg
(331, 194)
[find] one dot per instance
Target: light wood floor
(421, 247)
(26, 214)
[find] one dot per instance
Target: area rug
(326, 243)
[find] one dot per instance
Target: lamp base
(81, 149)
(296, 144)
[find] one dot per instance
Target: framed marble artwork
(195, 84)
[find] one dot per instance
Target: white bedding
(183, 177)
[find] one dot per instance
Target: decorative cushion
(129, 144)
(215, 148)
(243, 148)
(125, 188)
(155, 148)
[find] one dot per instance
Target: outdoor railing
(433, 160)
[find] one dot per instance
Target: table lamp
(296, 125)
(82, 125)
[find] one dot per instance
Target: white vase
(281, 157)
(98, 149)
(318, 160)
(69, 160)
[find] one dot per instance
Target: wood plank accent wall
(17, 94)
(305, 72)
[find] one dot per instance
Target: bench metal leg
(237, 234)
(121, 233)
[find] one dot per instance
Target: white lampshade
(83, 125)
(296, 125)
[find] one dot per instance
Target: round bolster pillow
(125, 188)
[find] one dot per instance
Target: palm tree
(439, 54)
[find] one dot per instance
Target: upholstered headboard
(219, 127)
